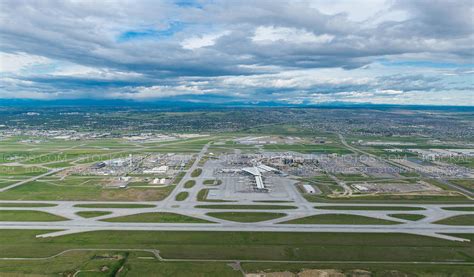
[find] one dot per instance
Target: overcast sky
(297, 52)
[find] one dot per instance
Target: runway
(75, 224)
(302, 208)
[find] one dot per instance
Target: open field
(393, 199)
(157, 218)
(22, 215)
(467, 209)
(116, 206)
(467, 183)
(467, 162)
(412, 217)
(196, 172)
(202, 196)
(108, 263)
(189, 184)
(44, 190)
(246, 216)
(5, 183)
(458, 220)
(178, 178)
(245, 245)
(246, 207)
(142, 267)
(370, 208)
(90, 214)
(331, 191)
(340, 219)
(308, 148)
(212, 182)
(26, 204)
(90, 263)
(361, 269)
(20, 171)
(182, 196)
(144, 264)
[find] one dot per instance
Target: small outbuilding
(309, 189)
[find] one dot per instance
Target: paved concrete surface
(75, 224)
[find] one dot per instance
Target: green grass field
(272, 201)
(178, 178)
(63, 156)
(90, 263)
(466, 209)
(340, 219)
(246, 216)
(90, 214)
(5, 183)
(116, 206)
(142, 267)
(212, 182)
(196, 173)
(114, 263)
(409, 174)
(412, 217)
(370, 208)
(25, 205)
(393, 199)
(247, 245)
(465, 183)
(76, 188)
(23, 215)
(308, 148)
(20, 171)
(467, 220)
(182, 196)
(353, 177)
(189, 184)
(464, 161)
(202, 196)
(246, 207)
(59, 165)
(161, 217)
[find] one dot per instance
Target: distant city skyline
(286, 52)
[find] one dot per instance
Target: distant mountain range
(168, 104)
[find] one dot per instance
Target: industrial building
(157, 170)
(159, 181)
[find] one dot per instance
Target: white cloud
(260, 50)
(156, 92)
(371, 12)
(80, 71)
(297, 79)
(17, 62)
(271, 34)
(356, 10)
(202, 41)
(389, 91)
(407, 98)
